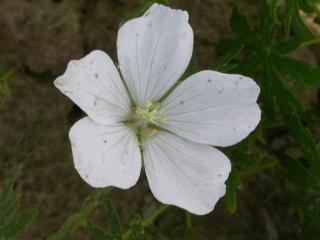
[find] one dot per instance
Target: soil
(37, 39)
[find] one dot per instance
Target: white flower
(170, 133)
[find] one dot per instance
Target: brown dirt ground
(38, 38)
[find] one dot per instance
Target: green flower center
(146, 120)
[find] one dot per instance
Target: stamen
(146, 119)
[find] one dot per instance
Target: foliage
(12, 221)
(5, 74)
(262, 53)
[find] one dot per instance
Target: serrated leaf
(251, 64)
(99, 233)
(279, 88)
(298, 72)
(19, 223)
(288, 46)
(242, 29)
(290, 109)
(114, 221)
(230, 199)
(222, 64)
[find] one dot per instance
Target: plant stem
(152, 216)
(79, 219)
(310, 42)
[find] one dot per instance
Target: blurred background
(39, 37)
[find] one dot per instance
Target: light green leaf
(230, 199)
(99, 233)
(190, 235)
(19, 223)
(114, 221)
(136, 231)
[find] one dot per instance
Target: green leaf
(154, 232)
(290, 109)
(302, 134)
(19, 223)
(190, 235)
(136, 231)
(9, 182)
(242, 29)
(268, 95)
(9, 206)
(277, 87)
(298, 72)
(99, 233)
(5, 74)
(222, 64)
(311, 226)
(287, 21)
(308, 6)
(274, 5)
(191, 69)
(79, 219)
(267, 24)
(288, 46)
(114, 220)
(144, 6)
(298, 173)
(297, 23)
(230, 199)
(251, 64)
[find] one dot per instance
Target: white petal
(94, 84)
(213, 108)
(105, 155)
(154, 51)
(186, 174)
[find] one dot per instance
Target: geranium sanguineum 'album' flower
(139, 116)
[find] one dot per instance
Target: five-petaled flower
(142, 116)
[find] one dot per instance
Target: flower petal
(105, 155)
(153, 51)
(186, 174)
(94, 84)
(213, 108)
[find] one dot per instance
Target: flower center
(146, 120)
